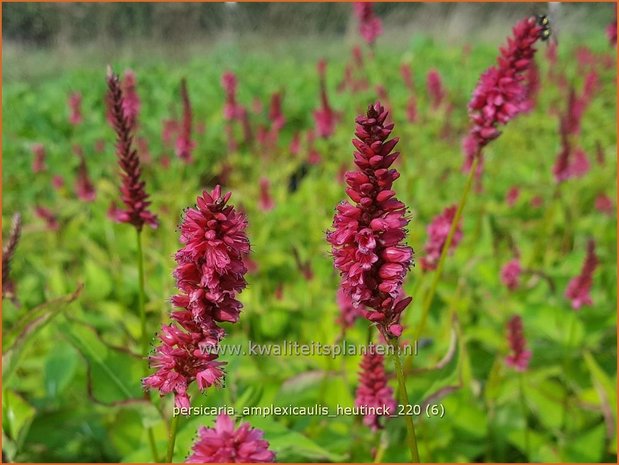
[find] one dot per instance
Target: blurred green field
(74, 393)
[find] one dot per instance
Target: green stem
(381, 446)
(172, 439)
(144, 336)
(523, 404)
(153, 445)
(427, 303)
(566, 366)
(411, 438)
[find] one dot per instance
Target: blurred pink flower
(84, 188)
(407, 76)
(46, 215)
(436, 91)
(184, 143)
(228, 82)
(295, 144)
(611, 30)
(510, 274)
(57, 182)
(38, 163)
(411, 109)
(579, 287)
(275, 112)
(519, 356)
(373, 390)
(438, 230)
(266, 202)
(370, 26)
(8, 251)
(512, 196)
(75, 108)
(537, 201)
(225, 444)
(604, 204)
(131, 101)
(324, 117)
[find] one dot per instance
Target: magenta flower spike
(501, 93)
(438, 230)
(368, 234)
(512, 196)
(370, 26)
(38, 163)
(75, 108)
(133, 193)
(611, 30)
(266, 201)
(579, 288)
(510, 274)
(228, 82)
(131, 100)
(276, 114)
(224, 443)
(373, 390)
(604, 204)
(436, 91)
(519, 356)
(209, 274)
(84, 187)
(325, 117)
(48, 216)
(8, 251)
(184, 143)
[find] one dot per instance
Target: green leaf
(114, 375)
(35, 320)
(60, 367)
(17, 415)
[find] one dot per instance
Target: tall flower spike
(579, 288)
(325, 117)
(131, 100)
(38, 163)
(370, 26)
(8, 251)
(132, 190)
(210, 272)
(184, 144)
(373, 390)
(84, 187)
(367, 239)
(438, 231)
(436, 91)
(225, 444)
(611, 30)
(510, 274)
(75, 108)
(519, 356)
(228, 82)
(501, 92)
